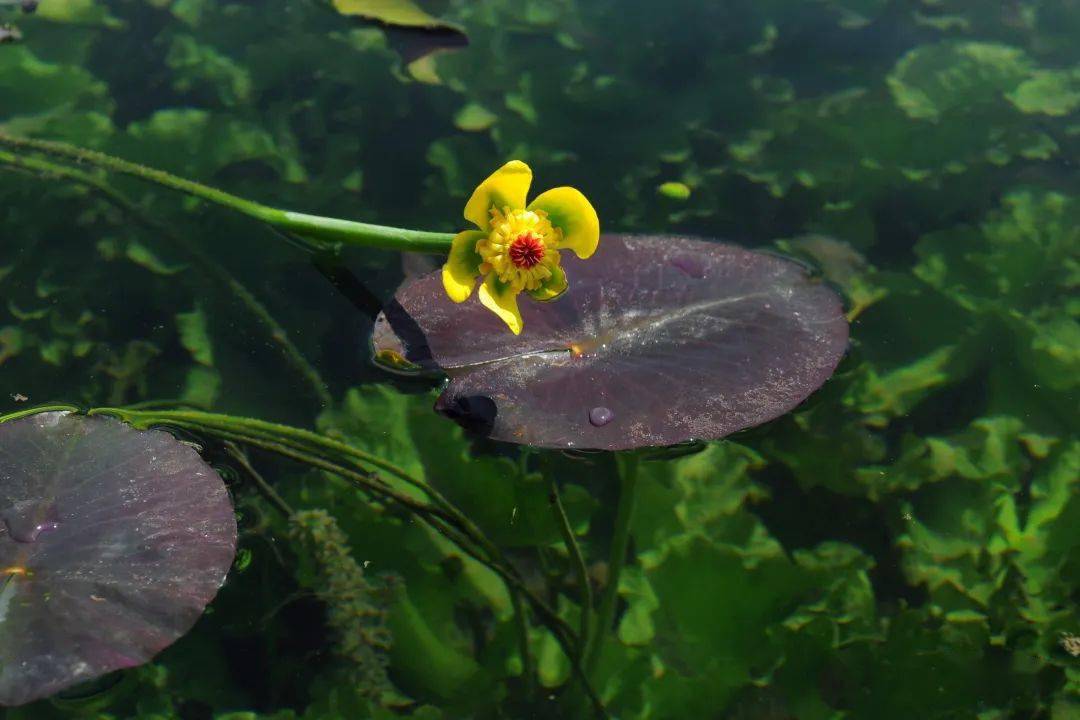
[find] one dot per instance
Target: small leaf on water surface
(112, 544)
(659, 340)
(675, 190)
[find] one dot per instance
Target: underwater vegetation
(903, 544)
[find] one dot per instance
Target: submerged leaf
(427, 34)
(145, 257)
(935, 79)
(202, 386)
(1050, 92)
(508, 503)
(674, 190)
(195, 336)
(659, 340)
(113, 541)
(11, 342)
(474, 117)
(195, 65)
(77, 12)
(392, 12)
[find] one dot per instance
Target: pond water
(903, 544)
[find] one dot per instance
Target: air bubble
(601, 416)
(25, 524)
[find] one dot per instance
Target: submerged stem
(521, 622)
(620, 543)
(581, 572)
(264, 487)
(312, 227)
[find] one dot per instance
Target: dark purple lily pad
(113, 542)
(658, 341)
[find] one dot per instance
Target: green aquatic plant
(902, 545)
(520, 252)
(355, 611)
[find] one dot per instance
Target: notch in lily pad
(658, 341)
(112, 543)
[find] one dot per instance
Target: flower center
(526, 251)
(521, 248)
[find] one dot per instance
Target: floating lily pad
(112, 543)
(658, 341)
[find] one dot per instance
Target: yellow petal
(462, 266)
(571, 212)
(506, 187)
(500, 298)
(552, 287)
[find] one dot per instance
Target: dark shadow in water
(345, 281)
(409, 332)
(353, 289)
(475, 413)
(414, 43)
(823, 515)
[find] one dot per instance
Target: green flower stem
(207, 264)
(573, 549)
(311, 227)
(620, 543)
(349, 232)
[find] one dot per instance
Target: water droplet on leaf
(601, 416)
(26, 522)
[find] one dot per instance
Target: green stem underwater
(263, 486)
(521, 625)
(310, 227)
(627, 464)
(573, 550)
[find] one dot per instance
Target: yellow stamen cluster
(512, 226)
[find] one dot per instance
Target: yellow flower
(517, 246)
